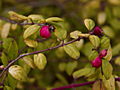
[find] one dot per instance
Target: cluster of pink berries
(46, 30)
(97, 62)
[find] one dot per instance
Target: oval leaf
(89, 23)
(29, 61)
(54, 19)
(93, 55)
(98, 85)
(107, 69)
(108, 31)
(18, 72)
(5, 30)
(13, 50)
(40, 61)
(30, 30)
(117, 60)
(31, 43)
(105, 43)
(37, 18)
(16, 16)
(79, 44)
(109, 54)
(95, 40)
(70, 67)
(81, 72)
(62, 66)
(72, 51)
(110, 83)
(75, 34)
(60, 33)
(4, 59)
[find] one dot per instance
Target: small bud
(103, 53)
(97, 31)
(97, 62)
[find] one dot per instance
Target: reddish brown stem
(78, 85)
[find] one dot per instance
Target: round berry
(45, 32)
(103, 53)
(97, 62)
(97, 31)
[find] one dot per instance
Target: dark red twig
(74, 85)
(79, 84)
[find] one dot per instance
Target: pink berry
(103, 53)
(97, 62)
(45, 32)
(97, 31)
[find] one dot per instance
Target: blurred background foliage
(106, 14)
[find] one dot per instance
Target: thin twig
(79, 84)
(73, 85)
(36, 52)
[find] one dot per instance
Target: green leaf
(62, 66)
(93, 55)
(60, 33)
(98, 85)
(95, 40)
(29, 61)
(118, 84)
(81, 72)
(109, 54)
(89, 23)
(6, 43)
(79, 44)
(11, 81)
(70, 67)
(110, 83)
(115, 10)
(87, 49)
(105, 43)
(117, 60)
(7, 88)
(13, 50)
(4, 59)
(115, 23)
(75, 34)
(25, 66)
(40, 61)
(30, 30)
(107, 69)
(116, 49)
(94, 74)
(72, 51)
(108, 31)
(31, 43)
(18, 72)
(5, 30)
(16, 16)
(37, 18)
(54, 19)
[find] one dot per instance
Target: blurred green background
(106, 14)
